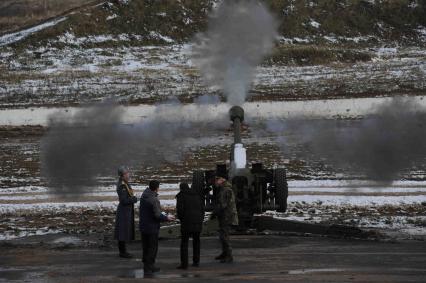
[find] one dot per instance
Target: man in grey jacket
(149, 224)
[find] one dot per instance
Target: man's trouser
(184, 248)
(122, 247)
(224, 239)
(149, 249)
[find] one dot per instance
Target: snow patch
(386, 51)
(68, 240)
(314, 23)
(331, 38)
(67, 206)
(17, 36)
(26, 232)
(71, 39)
(156, 35)
(338, 200)
(312, 109)
(111, 17)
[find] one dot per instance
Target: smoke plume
(380, 147)
(239, 35)
(79, 149)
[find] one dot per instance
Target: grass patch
(387, 18)
(313, 55)
(177, 20)
(152, 20)
(15, 14)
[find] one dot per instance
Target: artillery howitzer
(256, 189)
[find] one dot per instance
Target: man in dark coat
(226, 211)
(125, 215)
(150, 218)
(190, 212)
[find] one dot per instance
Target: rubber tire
(198, 181)
(281, 187)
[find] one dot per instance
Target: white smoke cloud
(240, 34)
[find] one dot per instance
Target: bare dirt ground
(62, 258)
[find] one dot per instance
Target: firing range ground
(22, 187)
(257, 258)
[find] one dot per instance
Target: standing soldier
(125, 215)
(190, 211)
(226, 212)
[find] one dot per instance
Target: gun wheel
(281, 189)
(198, 182)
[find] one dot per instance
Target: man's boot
(182, 266)
(150, 269)
(147, 271)
(123, 250)
(228, 258)
(126, 255)
(223, 254)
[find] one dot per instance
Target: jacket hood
(186, 192)
(189, 191)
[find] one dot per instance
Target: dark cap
(221, 175)
(153, 185)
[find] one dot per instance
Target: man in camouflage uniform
(226, 212)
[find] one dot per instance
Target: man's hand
(170, 218)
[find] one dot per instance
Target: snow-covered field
(326, 192)
(399, 207)
(52, 76)
(311, 109)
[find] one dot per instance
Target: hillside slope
(163, 21)
(19, 14)
(139, 51)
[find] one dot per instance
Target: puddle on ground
(11, 275)
(318, 270)
(139, 274)
(17, 274)
(359, 270)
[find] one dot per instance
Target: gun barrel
(237, 131)
(236, 114)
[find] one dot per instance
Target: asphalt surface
(257, 258)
